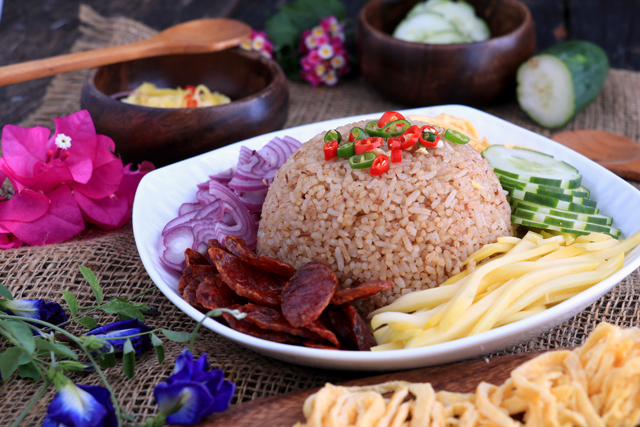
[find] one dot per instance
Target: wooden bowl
(420, 74)
(257, 87)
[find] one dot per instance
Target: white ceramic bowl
(162, 191)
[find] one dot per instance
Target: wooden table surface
(32, 29)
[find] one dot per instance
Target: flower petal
(192, 401)
(62, 221)
(107, 172)
(9, 241)
(23, 307)
(74, 406)
(53, 313)
(123, 328)
(107, 213)
(26, 206)
(131, 179)
(84, 144)
(23, 148)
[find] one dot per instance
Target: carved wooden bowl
(257, 87)
(420, 74)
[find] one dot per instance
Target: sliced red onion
(176, 241)
(188, 207)
(229, 203)
(223, 177)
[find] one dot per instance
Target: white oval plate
(162, 191)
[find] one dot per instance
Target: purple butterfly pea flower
(113, 333)
(39, 309)
(193, 392)
(81, 406)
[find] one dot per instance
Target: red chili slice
(363, 290)
(237, 246)
(426, 143)
(409, 137)
(368, 144)
(307, 293)
(388, 117)
(380, 165)
(330, 150)
(246, 280)
(396, 156)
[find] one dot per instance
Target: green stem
(33, 401)
(81, 346)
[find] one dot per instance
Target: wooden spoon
(199, 36)
(619, 154)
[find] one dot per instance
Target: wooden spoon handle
(76, 61)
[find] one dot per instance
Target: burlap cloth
(42, 272)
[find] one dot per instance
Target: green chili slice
(332, 135)
(362, 161)
(347, 150)
(356, 134)
(395, 128)
(455, 136)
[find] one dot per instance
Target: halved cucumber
(588, 227)
(531, 166)
(534, 188)
(598, 219)
(559, 82)
(551, 202)
(446, 37)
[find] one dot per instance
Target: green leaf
(107, 360)
(158, 346)
(285, 27)
(9, 362)
(60, 350)
(176, 336)
(88, 322)
(72, 302)
(5, 293)
(124, 309)
(29, 371)
(128, 359)
(93, 282)
(21, 332)
(73, 366)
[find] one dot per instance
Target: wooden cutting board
(286, 409)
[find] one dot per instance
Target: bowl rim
(362, 21)
(89, 85)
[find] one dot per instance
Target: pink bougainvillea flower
(62, 221)
(61, 181)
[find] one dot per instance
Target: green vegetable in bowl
(559, 82)
(442, 22)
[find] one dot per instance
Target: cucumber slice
(552, 202)
(531, 166)
(445, 37)
(523, 195)
(419, 27)
(556, 84)
(588, 227)
(598, 219)
(463, 16)
(424, 7)
(534, 188)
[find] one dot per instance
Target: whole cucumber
(557, 83)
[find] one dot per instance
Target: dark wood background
(31, 29)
